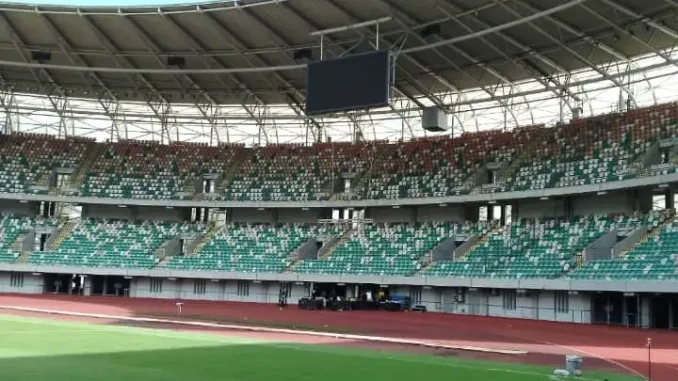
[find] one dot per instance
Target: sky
(106, 3)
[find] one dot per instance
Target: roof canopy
(444, 46)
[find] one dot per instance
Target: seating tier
(113, 244)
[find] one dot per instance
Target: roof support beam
(646, 20)
(153, 48)
(403, 16)
(344, 50)
(58, 101)
(9, 107)
(240, 47)
(416, 62)
(199, 49)
(105, 96)
(578, 33)
(155, 101)
(626, 32)
(524, 62)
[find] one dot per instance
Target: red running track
(623, 347)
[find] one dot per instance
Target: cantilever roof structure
(241, 54)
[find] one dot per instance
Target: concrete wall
(538, 209)
(540, 305)
(298, 216)
(108, 212)
(616, 202)
(444, 250)
(390, 214)
(17, 208)
(141, 288)
(218, 290)
(431, 298)
(160, 214)
(32, 284)
(579, 308)
(602, 247)
(454, 213)
(526, 306)
(252, 215)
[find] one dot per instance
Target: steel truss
(649, 78)
(613, 85)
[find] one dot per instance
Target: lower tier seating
(532, 248)
(11, 227)
(250, 248)
(526, 249)
(384, 249)
(113, 244)
(654, 258)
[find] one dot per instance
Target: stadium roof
(246, 34)
(243, 52)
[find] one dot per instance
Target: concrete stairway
(163, 262)
(159, 251)
(18, 243)
(295, 258)
(293, 266)
(650, 234)
(202, 241)
(233, 168)
(361, 184)
(426, 263)
(326, 253)
(93, 153)
(63, 233)
(462, 254)
(23, 257)
(189, 186)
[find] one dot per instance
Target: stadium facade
(240, 197)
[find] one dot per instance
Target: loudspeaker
(176, 61)
(434, 120)
(303, 55)
(41, 56)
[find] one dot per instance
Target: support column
(105, 288)
(670, 314)
(87, 286)
(490, 212)
(645, 312)
(503, 215)
(668, 198)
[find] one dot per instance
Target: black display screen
(349, 83)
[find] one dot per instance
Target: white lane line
(423, 343)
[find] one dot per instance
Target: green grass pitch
(46, 350)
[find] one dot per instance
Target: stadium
(339, 189)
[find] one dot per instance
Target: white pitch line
(429, 344)
(424, 361)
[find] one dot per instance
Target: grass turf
(38, 350)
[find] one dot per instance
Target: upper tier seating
(113, 244)
(27, 159)
(443, 166)
(655, 258)
(148, 170)
(250, 248)
(532, 249)
(384, 249)
(295, 172)
(585, 151)
(593, 150)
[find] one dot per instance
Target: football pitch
(39, 350)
